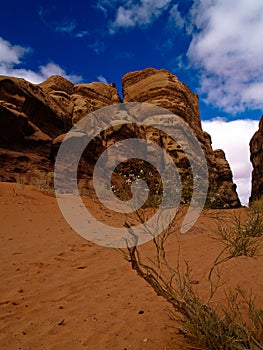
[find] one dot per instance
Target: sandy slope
(59, 291)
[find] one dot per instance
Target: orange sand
(59, 291)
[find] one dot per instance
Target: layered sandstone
(90, 97)
(161, 88)
(35, 118)
(32, 116)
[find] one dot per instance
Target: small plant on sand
(39, 180)
(20, 181)
(43, 182)
(236, 324)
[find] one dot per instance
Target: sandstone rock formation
(89, 97)
(35, 118)
(13, 122)
(256, 157)
(163, 89)
(32, 116)
(57, 83)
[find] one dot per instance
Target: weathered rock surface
(15, 165)
(57, 83)
(39, 107)
(89, 97)
(13, 122)
(32, 116)
(163, 89)
(35, 118)
(256, 157)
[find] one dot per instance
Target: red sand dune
(60, 291)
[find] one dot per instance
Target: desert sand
(59, 291)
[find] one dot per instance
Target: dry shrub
(235, 326)
(39, 180)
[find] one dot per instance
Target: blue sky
(214, 46)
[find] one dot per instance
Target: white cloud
(11, 59)
(54, 69)
(134, 13)
(102, 79)
(98, 46)
(227, 47)
(176, 17)
(81, 34)
(70, 28)
(11, 54)
(65, 27)
(234, 137)
(106, 5)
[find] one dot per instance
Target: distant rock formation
(35, 118)
(256, 157)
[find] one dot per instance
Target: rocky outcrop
(13, 122)
(25, 166)
(89, 97)
(163, 89)
(35, 118)
(57, 83)
(256, 158)
(39, 107)
(32, 116)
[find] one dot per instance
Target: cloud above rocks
(11, 64)
(225, 43)
(226, 48)
(234, 137)
(175, 18)
(64, 25)
(102, 79)
(133, 13)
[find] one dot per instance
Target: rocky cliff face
(163, 89)
(256, 157)
(34, 119)
(32, 116)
